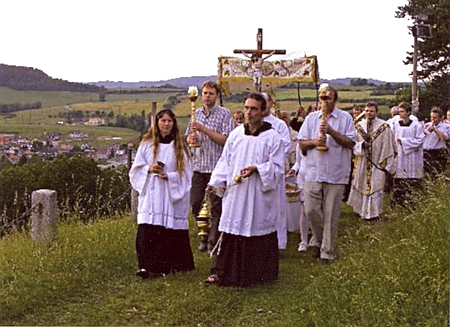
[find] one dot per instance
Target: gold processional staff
(193, 95)
(323, 97)
(204, 218)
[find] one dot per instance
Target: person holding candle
(161, 173)
(213, 124)
(327, 137)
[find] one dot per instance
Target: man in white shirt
(435, 153)
(327, 172)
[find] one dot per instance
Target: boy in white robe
(409, 136)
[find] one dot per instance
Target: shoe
(373, 219)
(302, 247)
(212, 279)
(316, 252)
(324, 261)
(202, 247)
(143, 273)
(313, 242)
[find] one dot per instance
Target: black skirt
(162, 251)
(245, 261)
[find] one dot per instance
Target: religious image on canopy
(236, 75)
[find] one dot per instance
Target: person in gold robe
(374, 158)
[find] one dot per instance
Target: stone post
(134, 193)
(44, 217)
(134, 203)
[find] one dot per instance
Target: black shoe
(373, 219)
(316, 252)
(324, 261)
(143, 273)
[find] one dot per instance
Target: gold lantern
(203, 219)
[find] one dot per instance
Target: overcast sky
(145, 40)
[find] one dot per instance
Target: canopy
(236, 74)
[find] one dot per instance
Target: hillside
(185, 82)
(32, 79)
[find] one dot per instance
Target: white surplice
(161, 202)
(410, 151)
(280, 126)
(252, 207)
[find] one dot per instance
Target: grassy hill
(32, 79)
(391, 273)
(55, 104)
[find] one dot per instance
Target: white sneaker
(302, 247)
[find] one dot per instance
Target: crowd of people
(243, 165)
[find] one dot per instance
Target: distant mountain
(32, 79)
(185, 82)
(347, 81)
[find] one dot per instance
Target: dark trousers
(435, 162)
(405, 192)
(199, 183)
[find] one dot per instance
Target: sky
(144, 40)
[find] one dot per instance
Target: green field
(55, 104)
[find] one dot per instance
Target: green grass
(47, 98)
(53, 103)
(61, 98)
(391, 273)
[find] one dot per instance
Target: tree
(433, 53)
(358, 82)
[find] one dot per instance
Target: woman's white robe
(161, 202)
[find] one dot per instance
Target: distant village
(15, 148)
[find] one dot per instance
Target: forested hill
(32, 79)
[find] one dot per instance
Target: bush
(83, 190)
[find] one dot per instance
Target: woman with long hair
(161, 173)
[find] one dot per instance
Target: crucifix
(257, 58)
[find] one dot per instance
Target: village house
(96, 121)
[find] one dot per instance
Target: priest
(374, 159)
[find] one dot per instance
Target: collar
(166, 139)
(263, 128)
(333, 113)
(208, 113)
(401, 123)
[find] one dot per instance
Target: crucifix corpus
(257, 58)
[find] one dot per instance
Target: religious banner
(236, 74)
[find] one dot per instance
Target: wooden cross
(257, 59)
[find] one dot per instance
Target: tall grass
(391, 273)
